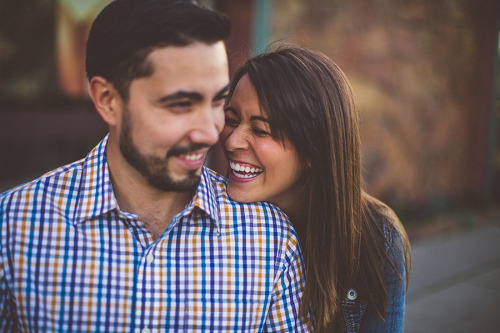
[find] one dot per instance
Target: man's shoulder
(60, 186)
(262, 211)
(43, 187)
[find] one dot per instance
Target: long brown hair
(308, 101)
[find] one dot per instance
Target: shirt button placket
(150, 258)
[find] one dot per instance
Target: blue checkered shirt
(71, 260)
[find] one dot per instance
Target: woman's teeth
(244, 176)
(251, 171)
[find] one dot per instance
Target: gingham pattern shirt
(72, 261)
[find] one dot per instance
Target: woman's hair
(308, 101)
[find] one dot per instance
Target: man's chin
(177, 184)
(183, 175)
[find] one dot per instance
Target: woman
(291, 138)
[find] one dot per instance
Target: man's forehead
(196, 72)
(192, 49)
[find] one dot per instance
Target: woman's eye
(260, 132)
(231, 122)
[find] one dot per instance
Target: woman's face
(260, 167)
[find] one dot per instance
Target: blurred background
(425, 75)
(426, 78)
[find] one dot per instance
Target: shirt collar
(96, 196)
(206, 198)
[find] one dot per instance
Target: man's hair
(126, 31)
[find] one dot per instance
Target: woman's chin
(240, 195)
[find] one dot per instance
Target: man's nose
(207, 125)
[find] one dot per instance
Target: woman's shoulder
(388, 223)
(391, 227)
(396, 243)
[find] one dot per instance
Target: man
(139, 236)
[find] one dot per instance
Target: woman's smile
(243, 172)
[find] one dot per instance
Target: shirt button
(352, 294)
(149, 260)
(146, 330)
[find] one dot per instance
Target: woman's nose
(236, 139)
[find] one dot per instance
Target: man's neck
(154, 207)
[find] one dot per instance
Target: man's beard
(155, 169)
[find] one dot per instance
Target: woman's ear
(307, 163)
(107, 100)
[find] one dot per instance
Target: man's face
(175, 115)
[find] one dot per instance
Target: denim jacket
(358, 317)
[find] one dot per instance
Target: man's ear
(107, 100)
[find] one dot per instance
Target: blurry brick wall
(414, 69)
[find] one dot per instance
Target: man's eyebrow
(181, 95)
(221, 92)
(194, 96)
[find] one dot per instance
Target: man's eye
(222, 98)
(180, 104)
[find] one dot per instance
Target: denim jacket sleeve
(358, 317)
(396, 288)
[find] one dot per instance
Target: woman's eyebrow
(264, 119)
(231, 109)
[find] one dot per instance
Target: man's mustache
(176, 151)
